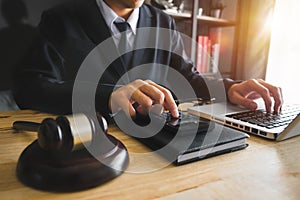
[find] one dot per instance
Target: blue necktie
(123, 27)
(124, 46)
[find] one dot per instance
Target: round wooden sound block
(74, 171)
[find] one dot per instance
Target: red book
(215, 51)
(204, 57)
(208, 60)
(199, 53)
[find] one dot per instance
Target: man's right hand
(145, 94)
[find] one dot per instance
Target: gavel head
(71, 132)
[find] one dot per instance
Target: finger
(141, 93)
(282, 101)
(169, 101)
(263, 91)
(150, 96)
(276, 93)
(129, 110)
(135, 94)
(253, 95)
(121, 102)
(154, 93)
(142, 99)
(142, 110)
(243, 101)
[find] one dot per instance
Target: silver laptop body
(231, 115)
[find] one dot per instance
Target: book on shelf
(215, 53)
(208, 56)
(199, 53)
(204, 56)
(207, 59)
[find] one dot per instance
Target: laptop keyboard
(268, 120)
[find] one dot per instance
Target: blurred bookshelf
(197, 21)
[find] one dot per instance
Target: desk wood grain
(264, 170)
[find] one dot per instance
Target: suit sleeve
(39, 84)
(45, 81)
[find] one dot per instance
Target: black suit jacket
(72, 31)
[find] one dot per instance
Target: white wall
(283, 63)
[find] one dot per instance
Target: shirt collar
(110, 17)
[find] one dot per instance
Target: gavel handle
(26, 126)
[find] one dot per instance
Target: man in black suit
(72, 30)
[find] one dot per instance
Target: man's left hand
(246, 92)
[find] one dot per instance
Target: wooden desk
(264, 170)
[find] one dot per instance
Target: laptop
(278, 127)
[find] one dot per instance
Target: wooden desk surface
(264, 170)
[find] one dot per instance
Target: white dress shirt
(110, 17)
